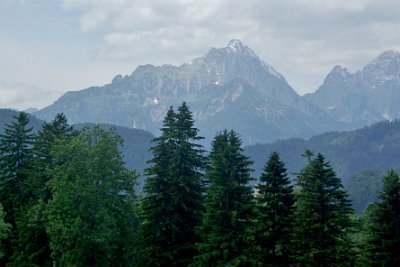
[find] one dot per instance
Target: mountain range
(229, 87)
(232, 88)
(367, 96)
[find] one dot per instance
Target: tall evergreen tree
(322, 217)
(16, 160)
(33, 242)
(56, 130)
(172, 205)
(90, 217)
(16, 165)
(275, 213)
(383, 225)
(229, 209)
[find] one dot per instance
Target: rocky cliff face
(364, 97)
(229, 87)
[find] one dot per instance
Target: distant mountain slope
(365, 97)
(210, 85)
(374, 148)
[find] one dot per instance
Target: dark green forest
(69, 199)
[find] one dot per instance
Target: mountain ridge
(364, 97)
(141, 99)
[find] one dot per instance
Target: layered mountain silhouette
(229, 87)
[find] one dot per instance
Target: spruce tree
(172, 204)
(275, 213)
(322, 217)
(33, 242)
(226, 238)
(383, 225)
(16, 167)
(57, 130)
(16, 160)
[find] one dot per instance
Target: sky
(48, 47)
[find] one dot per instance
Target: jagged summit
(236, 46)
(229, 87)
(384, 68)
(339, 70)
(367, 96)
(389, 55)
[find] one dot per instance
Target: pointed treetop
(308, 154)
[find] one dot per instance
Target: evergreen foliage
(322, 217)
(67, 199)
(363, 188)
(275, 213)
(226, 229)
(58, 130)
(16, 167)
(90, 218)
(16, 163)
(383, 225)
(5, 230)
(33, 243)
(172, 204)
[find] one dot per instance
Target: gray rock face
(365, 97)
(229, 87)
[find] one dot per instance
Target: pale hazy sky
(48, 47)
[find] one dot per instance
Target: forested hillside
(67, 198)
(359, 157)
(376, 147)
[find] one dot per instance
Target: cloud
(22, 96)
(303, 39)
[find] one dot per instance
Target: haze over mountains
(231, 87)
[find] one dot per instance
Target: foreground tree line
(67, 199)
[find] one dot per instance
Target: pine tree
(383, 225)
(275, 213)
(90, 217)
(172, 205)
(322, 217)
(229, 209)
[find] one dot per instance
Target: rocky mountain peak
(389, 55)
(236, 46)
(339, 71)
(233, 48)
(118, 78)
(384, 68)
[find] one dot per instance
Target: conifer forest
(68, 199)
